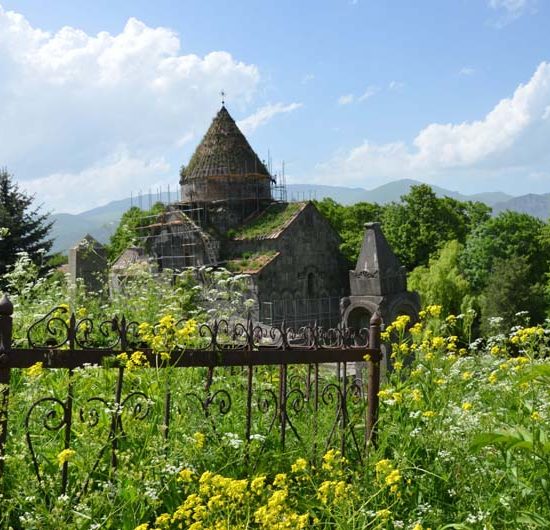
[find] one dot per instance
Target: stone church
(228, 216)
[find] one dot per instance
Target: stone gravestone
(378, 283)
(88, 261)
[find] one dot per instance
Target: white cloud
(371, 91)
(396, 85)
(71, 102)
(307, 78)
(511, 10)
(346, 99)
(511, 139)
(64, 191)
(511, 6)
(466, 71)
(264, 114)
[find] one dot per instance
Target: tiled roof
(130, 256)
(223, 151)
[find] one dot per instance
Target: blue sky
(101, 99)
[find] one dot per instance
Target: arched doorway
(359, 318)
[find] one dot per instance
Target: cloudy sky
(102, 99)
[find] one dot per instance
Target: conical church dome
(223, 151)
(224, 168)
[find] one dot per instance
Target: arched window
(310, 293)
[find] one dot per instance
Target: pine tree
(25, 228)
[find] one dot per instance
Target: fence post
(373, 368)
(6, 327)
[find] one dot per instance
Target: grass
(250, 261)
(463, 433)
(268, 222)
(463, 444)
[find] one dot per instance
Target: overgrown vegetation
(464, 422)
(458, 256)
(23, 227)
(269, 221)
(128, 231)
(463, 429)
(250, 261)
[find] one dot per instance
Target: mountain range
(102, 221)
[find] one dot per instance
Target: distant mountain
(383, 194)
(317, 192)
(101, 222)
(535, 205)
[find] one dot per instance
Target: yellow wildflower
(138, 358)
(383, 467)
(429, 414)
(401, 322)
(332, 489)
(451, 320)
(299, 465)
(397, 397)
(65, 456)
(466, 405)
(434, 310)
(122, 358)
(163, 520)
(535, 416)
(280, 480)
(332, 458)
(186, 475)
(258, 484)
(393, 477)
(199, 440)
(383, 514)
(36, 370)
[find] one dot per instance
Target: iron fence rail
(64, 342)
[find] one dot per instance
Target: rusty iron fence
(67, 343)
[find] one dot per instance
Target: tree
(26, 229)
(420, 224)
(505, 236)
(442, 283)
(128, 230)
(510, 290)
(349, 222)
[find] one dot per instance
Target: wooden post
(6, 327)
(373, 367)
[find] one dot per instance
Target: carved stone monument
(378, 283)
(88, 261)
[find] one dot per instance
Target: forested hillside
(457, 254)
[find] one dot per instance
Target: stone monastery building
(228, 216)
